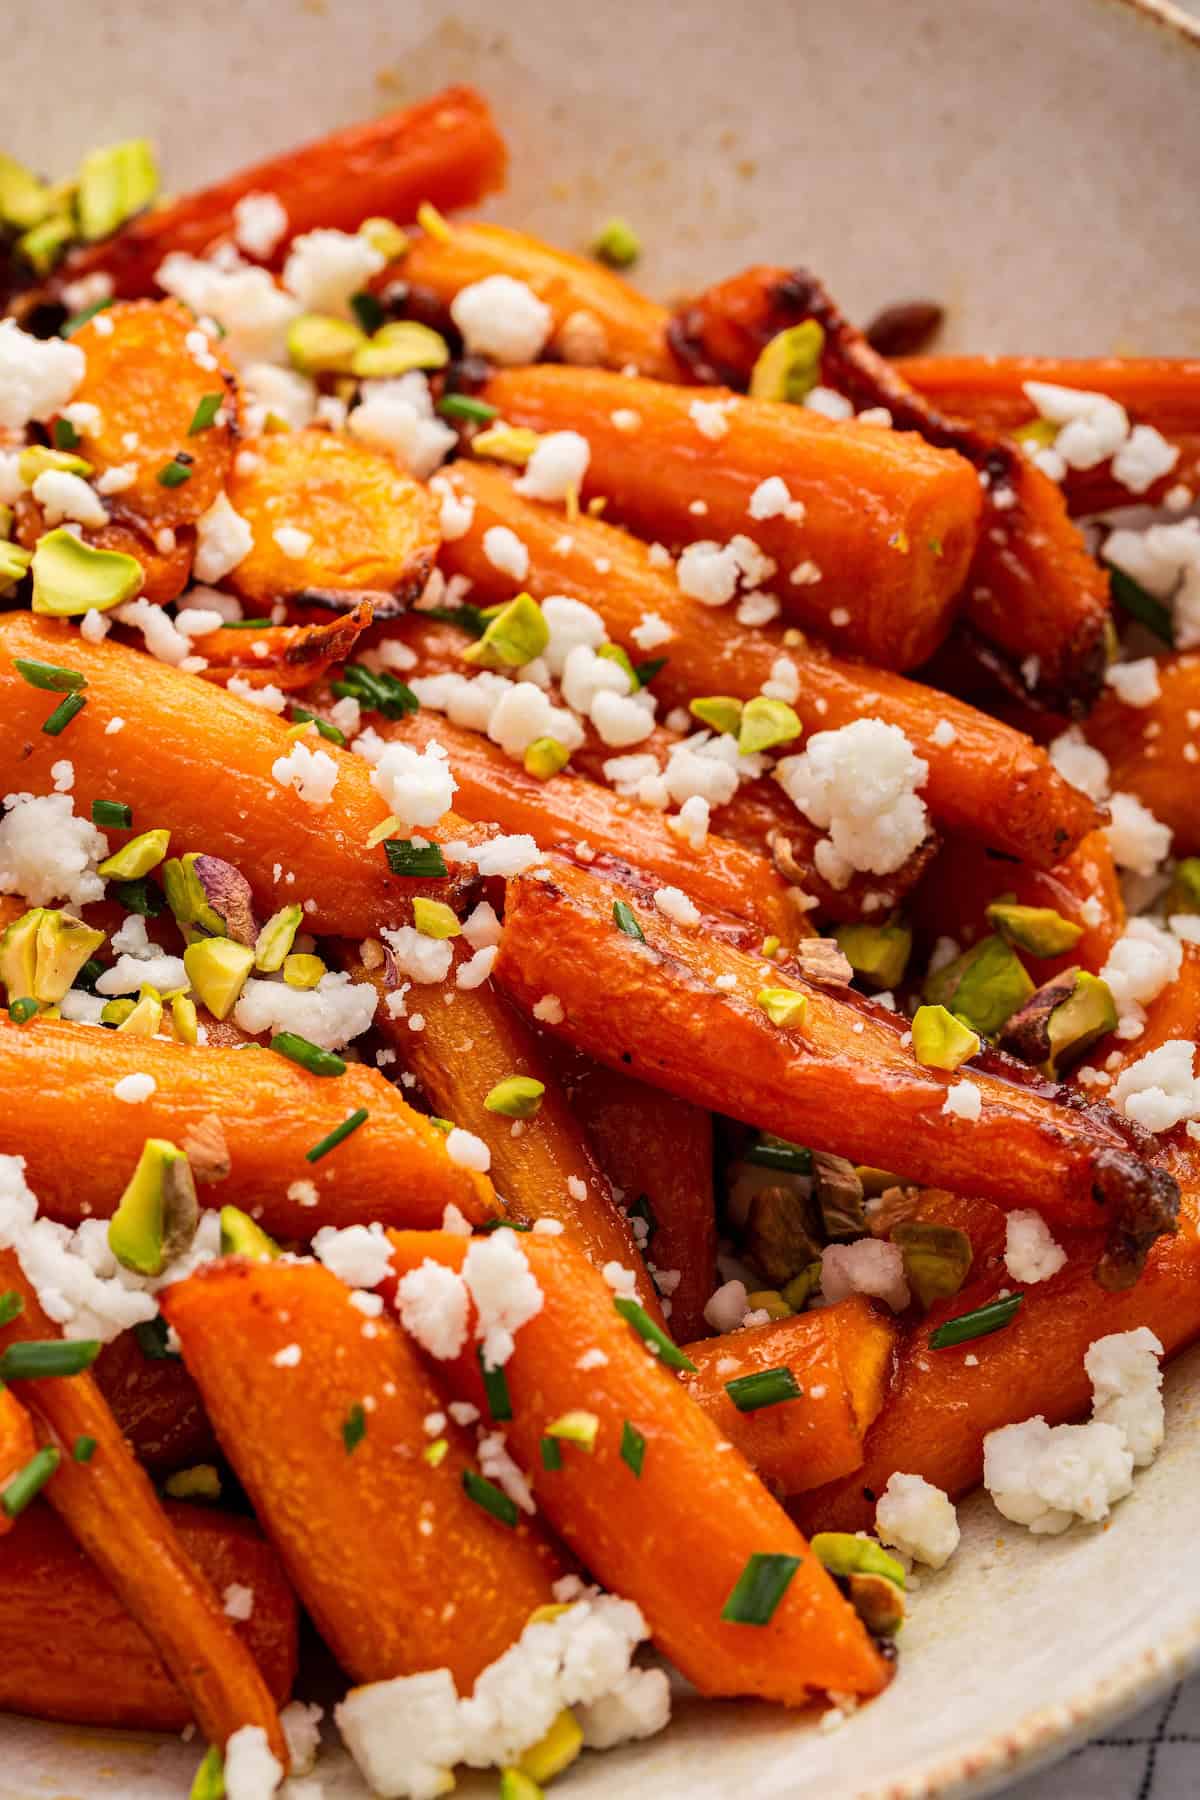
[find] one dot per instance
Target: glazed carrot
(659, 1151)
(114, 1515)
(1175, 1013)
(156, 1404)
(371, 529)
(889, 523)
(643, 1534)
(445, 149)
(988, 781)
(166, 571)
(840, 1360)
(653, 1009)
(598, 318)
(17, 1444)
(81, 1141)
(69, 1650)
(1148, 748)
(284, 656)
(160, 763)
(399, 1568)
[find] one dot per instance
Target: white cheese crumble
(1165, 560)
(397, 415)
(505, 1291)
(1144, 458)
(457, 511)
(416, 785)
(237, 1601)
(1144, 960)
(1159, 1090)
(869, 1266)
(64, 496)
(422, 959)
(251, 1771)
(549, 1010)
(260, 223)
(859, 783)
(133, 1089)
(1079, 763)
(1092, 427)
(270, 698)
(359, 1255)
(1136, 838)
(329, 1015)
(324, 268)
(1125, 1371)
(312, 773)
(1030, 1252)
(1043, 1476)
(37, 375)
(434, 1308)
(467, 1151)
(292, 541)
(223, 539)
(557, 466)
(708, 416)
(674, 904)
(917, 1519)
(253, 312)
(502, 319)
(47, 852)
(505, 551)
(962, 1101)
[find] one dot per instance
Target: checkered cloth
(1153, 1756)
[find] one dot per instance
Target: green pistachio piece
(63, 945)
(939, 1040)
(302, 971)
(200, 1482)
(766, 723)
(1183, 895)
(116, 1012)
(564, 1740)
(14, 563)
(187, 897)
(24, 199)
(517, 1097)
(843, 1553)
(184, 1022)
(783, 1006)
(39, 459)
(801, 1288)
(18, 954)
(770, 1301)
(983, 987)
(218, 969)
(878, 1602)
(789, 367)
(720, 712)
(546, 757)
(1063, 1018)
(45, 243)
(878, 954)
(274, 942)
(433, 918)
(400, 347)
(240, 1236)
(115, 183)
(322, 346)
(782, 1237)
(1038, 929)
(386, 237)
(937, 1258)
(70, 577)
(158, 1213)
(146, 1017)
(137, 857)
(516, 634)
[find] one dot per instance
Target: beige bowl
(1035, 167)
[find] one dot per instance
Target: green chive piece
(495, 1386)
(354, 1427)
(777, 1153)
(29, 1360)
(980, 1323)
(766, 1388)
(206, 411)
(112, 812)
(467, 618)
(635, 1314)
(493, 1500)
(310, 1056)
(70, 326)
(466, 406)
(173, 474)
(552, 1456)
(418, 862)
(1133, 599)
(246, 624)
(209, 1780)
(21, 1011)
(368, 310)
(153, 1339)
(339, 1134)
(633, 1448)
(11, 1306)
(377, 692)
(759, 1589)
(64, 712)
(84, 1449)
(300, 715)
(646, 671)
(496, 1224)
(28, 1482)
(625, 919)
(141, 896)
(65, 435)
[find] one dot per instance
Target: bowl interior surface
(1034, 168)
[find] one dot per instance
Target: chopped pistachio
(183, 1019)
(386, 237)
(878, 954)
(766, 723)
(770, 1301)
(115, 1012)
(433, 223)
(939, 1040)
(576, 1427)
(157, 1216)
(208, 1783)
(301, 971)
(200, 1482)
(780, 1237)
(275, 940)
(801, 1288)
(516, 634)
(218, 969)
(1062, 1020)
(875, 1181)
(937, 1258)
(137, 857)
(1183, 895)
(983, 987)
(506, 443)
(44, 244)
(517, 1097)
(789, 367)
(435, 1454)
(24, 199)
(323, 346)
(209, 892)
(839, 1196)
(783, 1006)
(719, 711)
(39, 459)
(878, 1602)
(1041, 432)
(617, 244)
(516, 1786)
(14, 561)
(70, 577)
(1038, 929)
(434, 919)
(64, 944)
(115, 183)
(240, 1236)
(845, 1553)
(398, 348)
(19, 954)
(546, 757)
(556, 1751)
(146, 1017)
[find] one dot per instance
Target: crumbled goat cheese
(505, 551)
(476, 969)
(944, 734)
(1125, 1371)
(1077, 762)
(457, 510)
(37, 375)
(302, 1729)
(1136, 838)
(502, 319)
(481, 928)
(312, 773)
(691, 822)
(434, 1307)
(1043, 1476)
(829, 403)
(1143, 459)
(154, 969)
(523, 713)
(397, 415)
(422, 959)
(651, 632)
(621, 720)
(726, 1308)
(1030, 1252)
(324, 268)
(962, 1101)
(467, 1151)
(674, 904)
(513, 853)
(133, 1089)
(223, 539)
(1091, 426)
(784, 682)
(161, 636)
(94, 627)
(1159, 1090)
(416, 785)
(251, 1771)
(253, 312)
(859, 783)
(237, 1601)
(63, 496)
(1165, 560)
(1144, 960)
(708, 572)
(549, 1010)
(505, 1291)
(260, 223)
(1135, 683)
(557, 466)
(708, 416)
(270, 698)
(292, 541)
(47, 853)
(284, 393)
(868, 1266)
(359, 1255)
(917, 1519)
(329, 1015)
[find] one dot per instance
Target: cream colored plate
(1034, 166)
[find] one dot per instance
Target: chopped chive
(776, 1153)
(368, 311)
(173, 474)
(635, 1314)
(140, 896)
(28, 1482)
(377, 691)
(112, 812)
(495, 1386)
(467, 618)
(11, 1306)
(552, 1456)
(64, 712)
(500, 1224)
(493, 1500)
(980, 1323)
(646, 671)
(354, 1427)
(89, 975)
(21, 1011)
(1133, 599)
(153, 1339)
(466, 406)
(300, 715)
(84, 1448)
(65, 435)
(759, 1589)
(297, 1049)
(29, 1360)
(633, 1448)
(70, 326)
(416, 861)
(625, 920)
(245, 624)
(51, 676)
(338, 1135)
(207, 408)
(642, 1209)
(766, 1388)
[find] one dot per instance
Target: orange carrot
(640, 1530)
(166, 570)
(1175, 1013)
(69, 1650)
(840, 1078)
(80, 1152)
(115, 1516)
(156, 1404)
(445, 149)
(840, 1360)
(17, 1444)
(284, 656)
(324, 1421)
(1148, 748)
(889, 523)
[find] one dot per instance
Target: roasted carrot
(889, 523)
(371, 529)
(17, 1444)
(114, 1515)
(80, 1155)
(1175, 1013)
(653, 1009)
(659, 1151)
(284, 656)
(324, 1422)
(599, 319)
(445, 149)
(988, 781)
(840, 1361)
(639, 1530)
(69, 1650)
(166, 560)
(1149, 748)
(156, 1404)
